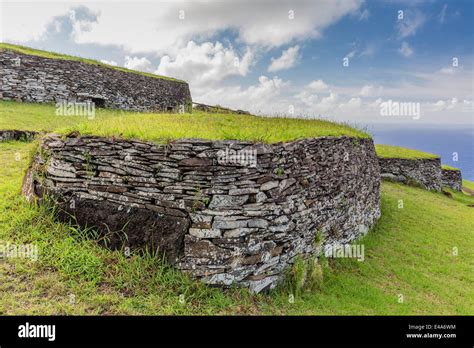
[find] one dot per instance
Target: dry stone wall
(37, 79)
(423, 172)
(224, 211)
(452, 179)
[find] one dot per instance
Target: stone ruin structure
(226, 212)
(33, 78)
(451, 178)
(425, 172)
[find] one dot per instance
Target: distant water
(440, 140)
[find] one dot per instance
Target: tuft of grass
(52, 55)
(304, 275)
(164, 127)
(390, 151)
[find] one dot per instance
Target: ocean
(441, 140)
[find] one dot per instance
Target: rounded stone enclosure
(226, 212)
(33, 78)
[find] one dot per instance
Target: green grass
(390, 151)
(164, 127)
(462, 197)
(422, 251)
(468, 187)
(446, 167)
(52, 55)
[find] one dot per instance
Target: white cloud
(405, 49)
(157, 27)
(140, 64)
(287, 59)
(151, 31)
(450, 104)
(318, 85)
(440, 104)
(23, 21)
(329, 102)
(262, 97)
(307, 98)
(368, 51)
(352, 105)
(442, 14)
(453, 93)
(205, 63)
(411, 22)
(448, 70)
(433, 85)
(365, 91)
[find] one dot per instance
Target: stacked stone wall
(452, 179)
(17, 135)
(37, 79)
(224, 211)
(423, 172)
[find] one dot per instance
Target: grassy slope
(409, 253)
(468, 184)
(446, 167)
(46, 54)
(390, 151)
(162, 127)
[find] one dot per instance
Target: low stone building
(425, 172)
(452, 178)
(33, 78)
(226, 212)
(17, 135)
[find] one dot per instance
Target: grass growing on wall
(390, 151)
(420, 249)
(163, 127)
(53, 55)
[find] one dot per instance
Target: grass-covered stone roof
(390, 151)
(166, 126)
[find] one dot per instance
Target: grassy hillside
(52, 55)
(390, 151)
(421, 252)
(468, 184)
(163, 127)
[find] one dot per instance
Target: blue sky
(283, 57)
